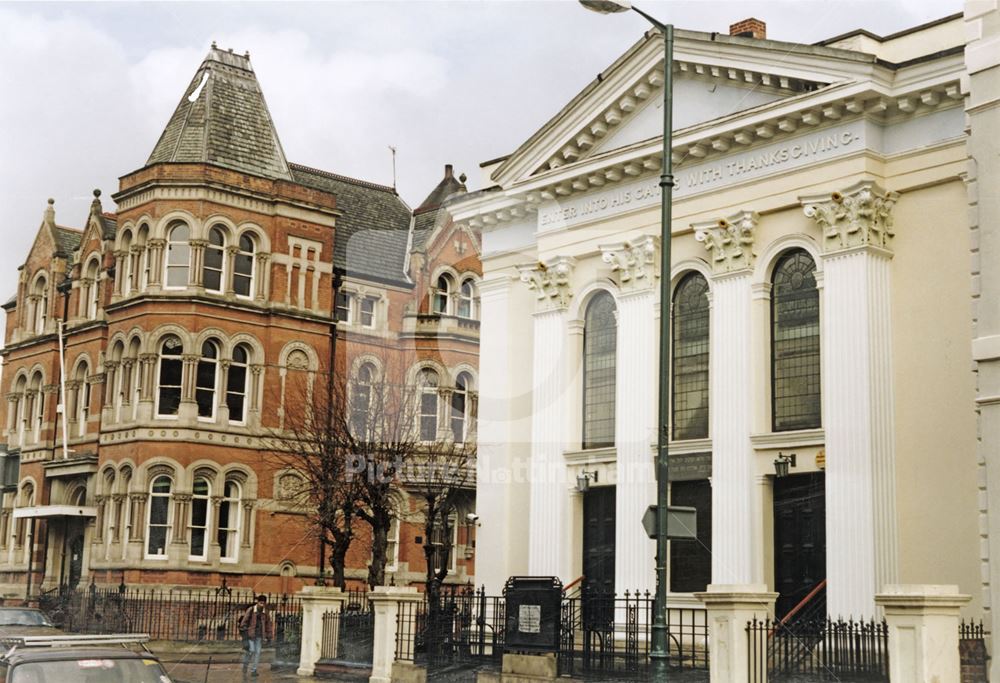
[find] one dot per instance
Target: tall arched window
(795, 361)
(460, 407)
(135, 378)
(689, 358)
(212, 271)
(21, 410)
(207, 379)
(361, 400)
(236, 384)
(92, 293)
(600, 345)
(158, 519)
(37, 407)
(243, 266)
(110, 523)
(171, 372)
(141, 275)
(178, 255)
(127, 265)
(229, 522)
(41, 310)
(442, 294)
(126, 510)
(427, 384)
(200, 522)
(467, 299)
(82, 399)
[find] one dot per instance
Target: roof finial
(462, 178)
(95, 206)
(49, 217)
(214, 46)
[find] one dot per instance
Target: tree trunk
(380, 522)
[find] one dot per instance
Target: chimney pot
(749, 28)
(447, 170)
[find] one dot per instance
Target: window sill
(688, 446)
(591, 456)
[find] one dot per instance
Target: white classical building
(820, 310)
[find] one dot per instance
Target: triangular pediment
(714, 78)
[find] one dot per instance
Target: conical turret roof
(223, 119)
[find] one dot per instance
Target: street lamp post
(658, 654)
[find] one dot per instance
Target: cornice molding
(857, 217)
(729, 240)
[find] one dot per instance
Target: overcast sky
(86, 89)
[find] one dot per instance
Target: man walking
(256, 627)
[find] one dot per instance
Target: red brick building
(223, 276)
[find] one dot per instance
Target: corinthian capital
(550, 280)
(860, 216)
(634, 261)
(730, 241)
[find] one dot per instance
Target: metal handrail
(803, 602)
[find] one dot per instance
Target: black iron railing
(972, 652)
(825, 648)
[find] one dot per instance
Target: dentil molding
(860, 216)
(550, 280)
(730, 241)
(635, 262)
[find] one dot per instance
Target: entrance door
(599, 540)
(74, 559)
(799, 538)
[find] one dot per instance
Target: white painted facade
(855, 161)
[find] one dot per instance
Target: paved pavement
(230, 673)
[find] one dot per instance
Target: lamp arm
(654, 21)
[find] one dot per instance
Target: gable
(695, 101)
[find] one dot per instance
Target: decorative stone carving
(860, 216)
(635, 261)
(550, 281)
(730, 241)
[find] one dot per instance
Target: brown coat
(257, 623)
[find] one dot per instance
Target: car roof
(22, 655)
(4, 608)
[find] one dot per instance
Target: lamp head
(607, 6)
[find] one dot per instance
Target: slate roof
(373, 230)
(67, 240)
(109, 226)
(223, 119)
(426, 215)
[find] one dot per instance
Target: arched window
(229, 522)
(127, 265)
(600, 344)
(141, 268)
(120, 385)
(467, 299)
(427, 384)
(200, 522)
(236, 384)
(158, 519)
(215, 257)
(27, 500)
(178, 255)
(109, 509)
(689, 358)
(442, 294)
(37, 408)
(168, 393)
(82, 399)
(92, 293)
(795, 361)
(20, 410)
(41, 310)
(361, 400)
(126, 511)
(207, 379)
(135, 378)
(243, 266)
(460, 407)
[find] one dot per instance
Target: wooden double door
(799, 538)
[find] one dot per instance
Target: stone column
(156, 263)
(923, 632)
(196, 276)
(128, 367)
(99, 523)
(120, 256)
(246, 530)
(635, 265)
(316, 601)
(223, 382)
(548, 523)
(229, 270)
(182, 501)
(138, 516)
(861, 542)
(119, 500)
(737, 555)
(110, 371)
(260, 276)
(386, 601)
(188, 408)
(499, 544)
(730, 608)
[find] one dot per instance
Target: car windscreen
(23, 617)
(136, 670)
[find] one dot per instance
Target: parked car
(79, 659)
(26, 621)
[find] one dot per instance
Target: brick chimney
(749, 28)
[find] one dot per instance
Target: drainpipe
(336, 282)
